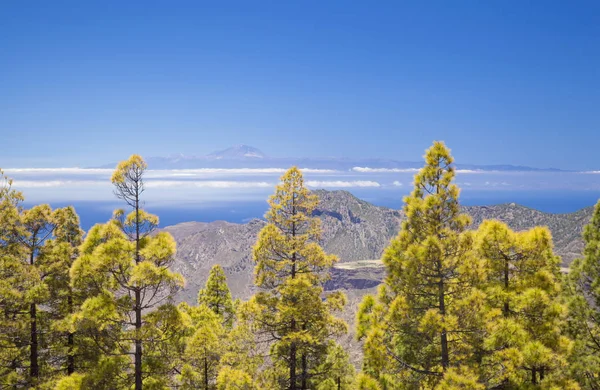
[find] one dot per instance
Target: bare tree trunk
(34, 369)
(138, 303)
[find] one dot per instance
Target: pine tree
(232, 379)
(38, 247)
(525, 339)
(339, 373)
(17, 290)
(459, 379)
(584, 305)
(241, 352)
(55, 262)
(290, 270)
(216, 295)
(124, 271)
(37, 226)
(203, 348)
(422, 321)
(366, 382)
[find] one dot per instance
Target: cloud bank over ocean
(213, 184)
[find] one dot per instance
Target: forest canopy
(459, 308)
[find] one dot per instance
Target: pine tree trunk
(293, 378)
(304, 372)
(533, 376)
(205, 371)
(443, 337)
(34, 370)
(339, 383)
(506, 270)
(293, 364)
(138, 342)
(70, 341)
(138, 303)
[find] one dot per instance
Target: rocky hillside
(353, 229)
(566, 228)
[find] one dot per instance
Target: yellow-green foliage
(290, 270)
(71, 382)
(458, 309)
(216, 295)
(459, 379)
(124, 272)
(337, 371)
(584, 305)
(524, 344)
(232, 379)
(423, 321)
(203, 348)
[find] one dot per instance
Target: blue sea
(242, 211)
(239, 194)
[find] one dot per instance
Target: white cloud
(342, 184)
(313, 170)
(397, 183)
(162, 172)
(591, 172)
(406, 170)
(213, 171)
(82, 184)
(471, 171)
(496, 184)
(207, 184)
(57, 171)
(57, 183)
(383, 170)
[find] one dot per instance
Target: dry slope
(352, 229)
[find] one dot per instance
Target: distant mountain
(237, 152)
(353, 229)
(244, 156)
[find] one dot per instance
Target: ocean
(240, 211)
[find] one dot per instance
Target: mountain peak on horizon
(238, 151)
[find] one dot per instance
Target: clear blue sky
(89, 82)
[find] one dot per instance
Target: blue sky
(84, 83)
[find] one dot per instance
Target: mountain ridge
(245, 156)
(353, 229)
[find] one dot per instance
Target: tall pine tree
(125, 270)
(17, 285)
(525, 343)
(216, 295)
(423, 321)
(291, 310)
(584, 305)
(55, 262)
(37, 227)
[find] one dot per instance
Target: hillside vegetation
(327, 292)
